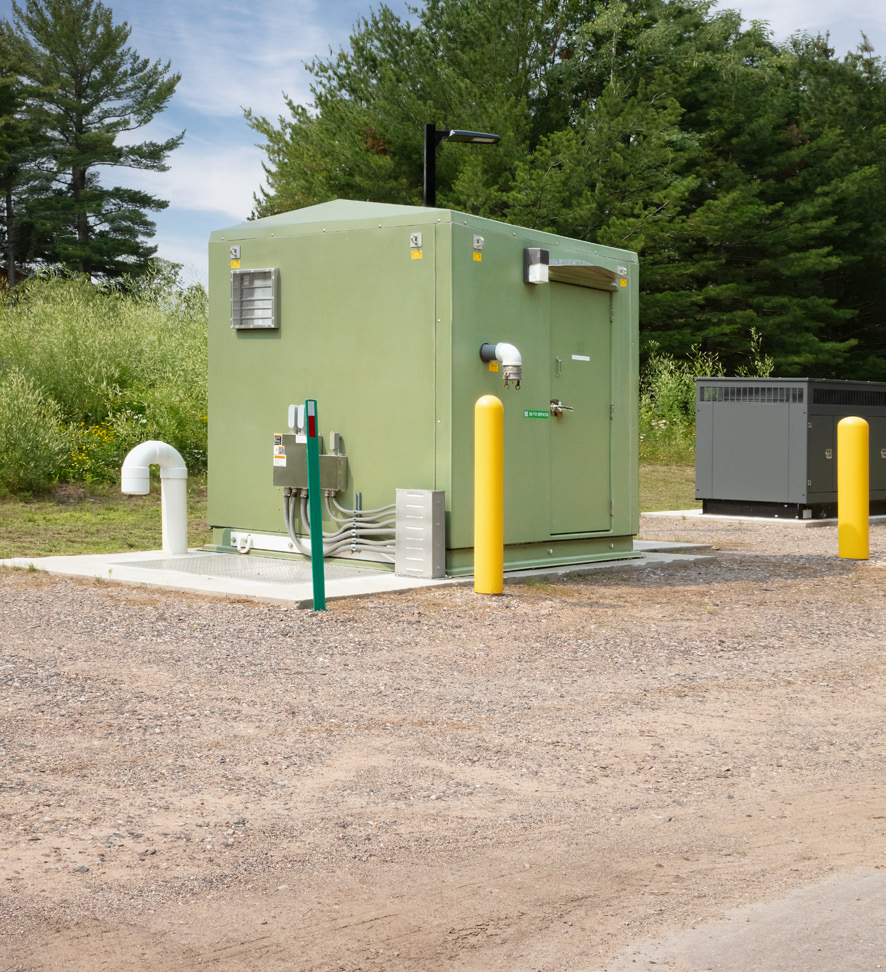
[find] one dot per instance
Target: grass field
(99, 519)
(665, 486)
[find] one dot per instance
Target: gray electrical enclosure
(768, 446)
(420, 549)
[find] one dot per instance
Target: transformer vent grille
(742, 394)
(848, 396)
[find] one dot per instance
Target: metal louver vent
(847, 396)
(254, 299)
(741, 394)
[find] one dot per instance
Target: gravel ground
(437, 780)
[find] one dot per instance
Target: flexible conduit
(354, 535)
(341, 509)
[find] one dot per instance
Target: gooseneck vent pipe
(135, 478)
(510, 358)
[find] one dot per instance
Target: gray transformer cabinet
(768, 446)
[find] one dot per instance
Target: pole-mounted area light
(433, 138)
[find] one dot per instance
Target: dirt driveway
(437, 780)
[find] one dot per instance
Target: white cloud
(190, 254)
(205, 178)
(234, 55)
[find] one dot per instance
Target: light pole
(432, 139)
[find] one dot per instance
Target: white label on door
(581, 357)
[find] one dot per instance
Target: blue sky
(235, 55)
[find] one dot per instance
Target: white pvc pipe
(508, 355)
(511, 362)
(135, 478)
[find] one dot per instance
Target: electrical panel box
(291, 465)
(768, 446)
(379, 313)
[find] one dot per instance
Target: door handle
(558, 408)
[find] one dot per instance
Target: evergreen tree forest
(749, 175)
(71, 94)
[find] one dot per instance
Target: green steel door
(580, 438)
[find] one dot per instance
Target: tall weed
(121, 367)
(667, 398)
(33, 440)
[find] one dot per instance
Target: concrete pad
(698, 516)
(836, 926)
(202, 572)
(670, 547)
(289, 582)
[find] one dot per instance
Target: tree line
(748, 174)
(71, 92)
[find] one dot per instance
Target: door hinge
(611, 410)
(612, 507)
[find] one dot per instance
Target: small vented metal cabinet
(768, 446)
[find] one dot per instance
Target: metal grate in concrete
(248, 568)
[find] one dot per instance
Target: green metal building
(379, 312)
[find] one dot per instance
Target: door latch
(558, 408)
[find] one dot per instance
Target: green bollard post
(314, 508)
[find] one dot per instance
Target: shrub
(667, 398)
(33, 439)
(123, 366)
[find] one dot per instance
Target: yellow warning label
(416, 254)
(622, 283)
(235, 264)
(493, 366)
(478, 256)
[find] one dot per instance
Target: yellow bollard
(488, 495)
(853, 489)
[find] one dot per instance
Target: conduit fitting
(135, 478)
(509, 356)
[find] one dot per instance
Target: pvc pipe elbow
(510, 358)
(135, 474)
(511, 363)
(508, 355)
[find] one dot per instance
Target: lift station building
(379, 313)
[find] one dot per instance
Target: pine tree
(841, 110)
(91, 89)
(481, 66)
(14, 141)
(747, 175)
(21, 182)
